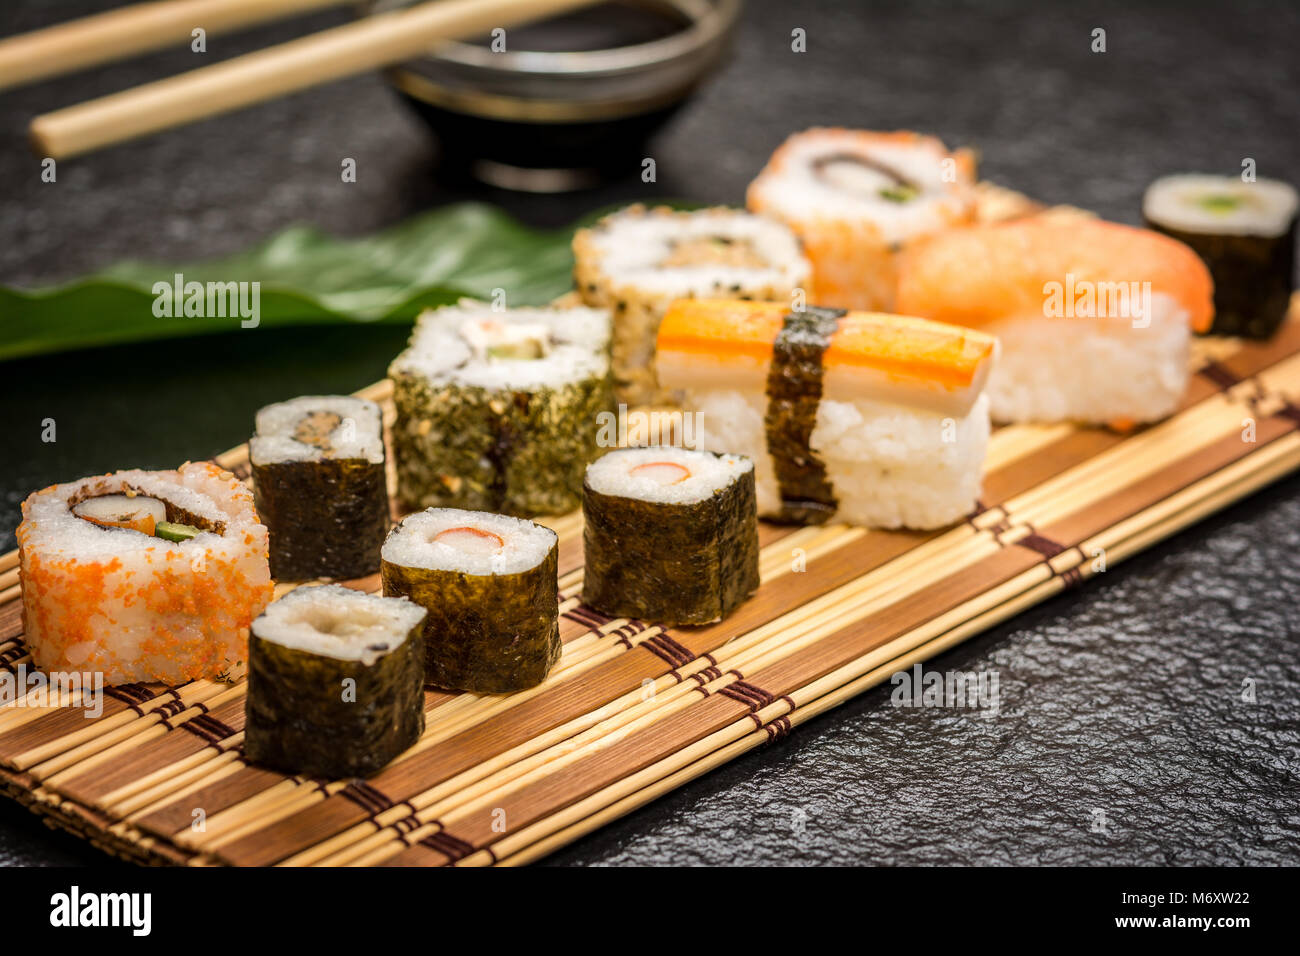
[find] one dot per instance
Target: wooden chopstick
(370, 43)
(139, 28)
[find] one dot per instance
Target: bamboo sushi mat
(633, 710)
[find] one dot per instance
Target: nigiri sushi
(1094, 318)
(857, 199)
(867, 418)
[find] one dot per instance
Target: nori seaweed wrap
(499, 410)
(335, 682)
(794, 395)
(670, 535)
(489, 583)
(320, 487)
(1245, 232)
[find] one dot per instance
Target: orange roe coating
(155, 610)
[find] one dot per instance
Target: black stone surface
(1124, 697)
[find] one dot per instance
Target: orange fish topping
(899, 346)
(982, 273)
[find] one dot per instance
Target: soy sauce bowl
(568, 103)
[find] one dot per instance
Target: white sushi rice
(57, 531)
(134, 606)
(338, 622)
(890, 466)
(359, 433)
(413, 543)
(442, 352)
(1096, 370)
(630, 248)
(615, 474)
(1265, 207)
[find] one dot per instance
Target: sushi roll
(669, 534)
(489, 583)
(637, 261)
(143, 575)
(319, 485)
(857, 199)
(871, 419)
(335, 682)
(1245, 232)
(499, 410)
(1094, 318)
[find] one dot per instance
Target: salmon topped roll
(143, 575)
(1094, 318)
(872, 419)
(857, 199)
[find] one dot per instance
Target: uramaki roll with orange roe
(857, 199)
(872, 419)
(143, 575)
(1094, 318)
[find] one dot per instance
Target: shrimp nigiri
(1094, 318)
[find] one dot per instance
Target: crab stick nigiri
(868, 418)
(1094, 318)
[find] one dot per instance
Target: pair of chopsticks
(369, 43)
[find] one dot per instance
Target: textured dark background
(1123, 697)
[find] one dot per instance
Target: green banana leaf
(306, 278)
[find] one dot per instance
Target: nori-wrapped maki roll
(319, 484)
(489, 583)
(335, 682)
(670, 535)
(1245, 232)
(498, 410)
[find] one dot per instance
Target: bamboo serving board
(633, 710)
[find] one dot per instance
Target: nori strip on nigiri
(335, 682)
(794, 392)
(670, 562)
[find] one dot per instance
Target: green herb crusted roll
(670, 535)
(1245, 232)
(498, 410)
(335, 682)
(489, 583)
(319, 485)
